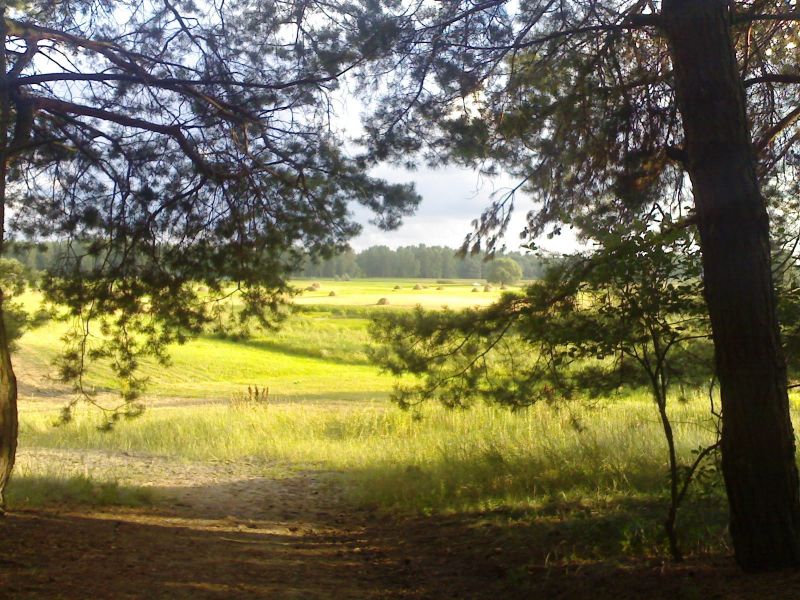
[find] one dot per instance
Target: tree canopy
(504, 270)
(181, 152)
(681, 114)
(171, 144)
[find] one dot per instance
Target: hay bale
(418, 287)
(397, 287)
(487, 288)
(440, 288)
(383, 301)
(474, 289)
(332, 293)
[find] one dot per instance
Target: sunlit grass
(366, 292)
(319, 354)
(328, 410)
(434, 459)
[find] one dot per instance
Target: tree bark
(8, 382)
(757, 442)
(8, 412)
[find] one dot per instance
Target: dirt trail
(219, 531)
(226, 531)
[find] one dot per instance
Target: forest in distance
(428, 262)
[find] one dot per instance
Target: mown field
(595, 470)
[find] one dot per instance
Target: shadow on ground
(291, 538)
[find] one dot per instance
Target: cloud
(451, 199)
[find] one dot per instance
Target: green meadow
(328, 408)
(318, 355)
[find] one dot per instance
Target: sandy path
(227, 531)
(218, 531)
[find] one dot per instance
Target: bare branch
(789, 78)
(771, 133)
(749, 18)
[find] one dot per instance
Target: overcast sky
(451, 199)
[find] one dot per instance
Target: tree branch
(57, 107)
(749, 18)
(773, 78)
(776, 129)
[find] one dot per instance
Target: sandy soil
(222, 531)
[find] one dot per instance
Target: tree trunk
(8, 382)
(757, 438)
(8, 412)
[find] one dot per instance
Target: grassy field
(320, 354)
(328, 408)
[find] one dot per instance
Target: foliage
(634, 318)
(419, 261)
(182, 153)
(504, 270)
(574, 99)
(591, 324)
(13, 283)
(603, 112)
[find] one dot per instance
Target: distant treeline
(43, 256)
(434, 262)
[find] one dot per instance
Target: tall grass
(431, 460)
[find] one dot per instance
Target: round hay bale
(487, 288)
(397, 287)
(474, 289)
(418, 287)
(315, 286)
(383, 301)
(332, 293)
(440, 288)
